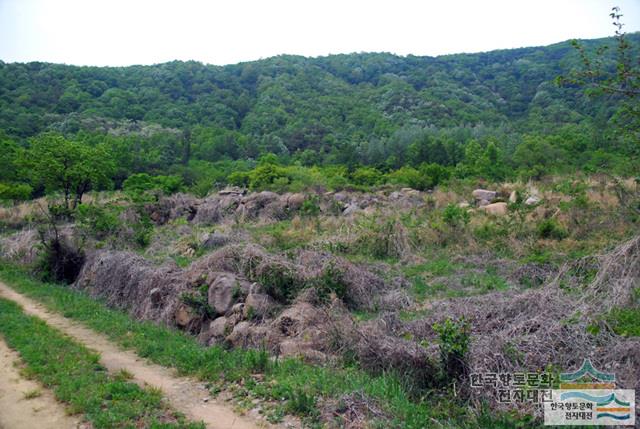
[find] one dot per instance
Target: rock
(213, 240)
(463, 205)
(259, 305)
(513, 197)
(222, 292)
(497, 209)
(218, 327)
(295, 201)
(237, 308)
(532, 200)
(483, 194)
(184, 316)
(246, 335)
(340, 197)
(296, 348)
(483, 203)
(350, 209)
(233, 190)
(395, 195)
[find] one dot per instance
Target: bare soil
(184, 394)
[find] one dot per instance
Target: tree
(71, 167)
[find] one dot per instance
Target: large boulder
(224, 291)
(497, 209)
(483, 194)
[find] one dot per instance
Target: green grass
(77, 378)
(625, 321)
(289, 382)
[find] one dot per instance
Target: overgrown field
(350, 308)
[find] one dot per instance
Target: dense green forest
(289, 122)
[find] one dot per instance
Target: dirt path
(17, 412)
(185, 395)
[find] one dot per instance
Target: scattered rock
(184, 316)
(483, 194)
(464, 205)
(259, 305)
(213, 240)
(237, 308)
(295, 201)
(532, 200)
(513, 197)
(483, 203)
(233, 190)
(350, 209)
(218, 327)
(497, 209)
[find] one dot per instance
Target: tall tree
(70, 167)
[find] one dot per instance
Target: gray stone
(497, 209)
(483, 194)
(351, 209)
(532, 200)
(214, 240)
(259, 305)
(221, 292)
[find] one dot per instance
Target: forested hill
(304, 101)
(503, 108)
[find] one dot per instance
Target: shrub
(551, 229)
(330, 281)
(366, 176)
(455, 216)
(433, 174)
(280, 282)
(15, 191)
(97, 221)
(310, 206)
(453, 340)
(199, 301)
(138, 184)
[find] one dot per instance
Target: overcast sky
(124, 32)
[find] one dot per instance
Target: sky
(126, 32)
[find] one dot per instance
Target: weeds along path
(24, 404)
(185, 395)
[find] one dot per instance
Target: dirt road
(24, 404)
(185, 395)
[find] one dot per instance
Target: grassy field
(78, 380)
(287, 386)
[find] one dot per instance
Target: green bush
(454, 338)
(310, 206)
(330, 281)
(455, 216)
(366, 176)
(97, 221)
(15, 191)
(551, 229)
(138, 184)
